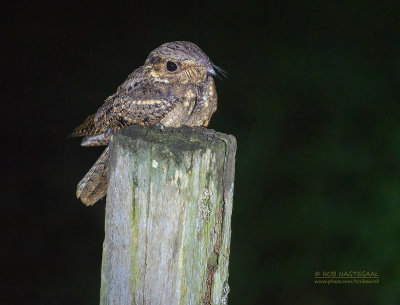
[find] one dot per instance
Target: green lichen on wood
(173, 185)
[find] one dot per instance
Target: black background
(312, 97)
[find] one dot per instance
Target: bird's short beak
(211, 70)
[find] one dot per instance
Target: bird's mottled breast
(196, 104)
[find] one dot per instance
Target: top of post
(184, 138)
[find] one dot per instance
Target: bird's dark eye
(171, 66)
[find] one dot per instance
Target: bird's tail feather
(93, 186)
(95, 140)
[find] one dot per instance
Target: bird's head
(179, 61)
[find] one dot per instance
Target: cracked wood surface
(168, 217)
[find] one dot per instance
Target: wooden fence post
(168, 217)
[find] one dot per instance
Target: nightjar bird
(174, 87)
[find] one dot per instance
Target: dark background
(312, 97)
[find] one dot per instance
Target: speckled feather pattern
(153, 93)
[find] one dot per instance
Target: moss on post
(168, 215)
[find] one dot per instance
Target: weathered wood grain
(168, 217)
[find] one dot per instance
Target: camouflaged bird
(174, 87)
